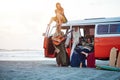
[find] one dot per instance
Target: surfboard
(118, 60)
(105, 67)
(113, 55)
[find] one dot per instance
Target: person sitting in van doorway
(60, 17)
(61, 55)
(83, 51)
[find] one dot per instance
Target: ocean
(23, 55)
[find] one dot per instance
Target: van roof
(91, 21)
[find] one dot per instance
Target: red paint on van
(103, 46)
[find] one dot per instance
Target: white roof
(92, 21)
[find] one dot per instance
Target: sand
(14, 68)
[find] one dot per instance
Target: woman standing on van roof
(60, 17)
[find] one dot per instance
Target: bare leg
(59, 17)
(81, 65)
(86, 54)
(51, 20)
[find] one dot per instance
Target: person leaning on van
(61, 55)
(76, 35)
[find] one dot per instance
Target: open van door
(48, 45)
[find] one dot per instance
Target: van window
(108, 29)
(82, 31)
(103, 29)
(114, 28)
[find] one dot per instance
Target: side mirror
(43, 34)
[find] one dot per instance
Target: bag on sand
(91, 60)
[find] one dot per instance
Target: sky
(22, 22)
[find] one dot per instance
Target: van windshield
(52, 31)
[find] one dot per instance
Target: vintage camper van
(104, 32)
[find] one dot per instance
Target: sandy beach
(45, 69)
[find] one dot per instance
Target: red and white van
(105, 33)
